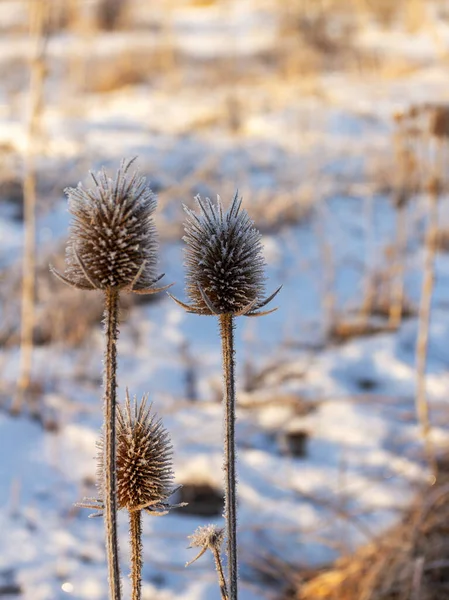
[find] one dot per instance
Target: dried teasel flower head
(209, 536)
(206, 537)
(224, 261)
(144, 462)
(144, 459)
(112, 243)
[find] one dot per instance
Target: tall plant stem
(227, 342)
(110, 401)
(135, 532)
(368, 283)
(38, 24)
(221, 577)
(328, 277)
(398, 268)
(422, 406)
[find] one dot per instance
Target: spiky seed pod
(210, 537)
(112, 243)
(144, 462)
(224, 261)
(144, 458)
(225, 277)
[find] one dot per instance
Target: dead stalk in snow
(439, 131)
(112, 248)
(225, 278)
(405, 188)
(38, 10)
(328, 278)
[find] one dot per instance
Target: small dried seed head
(207, 536)
(223, 257)
(112, 242)
(144, 460)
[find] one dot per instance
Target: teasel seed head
(112, 243)
(206, 537)
(224, 261)
(144, 462)
(210, 536)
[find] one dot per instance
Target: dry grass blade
(409, 562)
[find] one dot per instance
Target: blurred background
(331, 119)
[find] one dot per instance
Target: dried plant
(407, 184)
(210, 537)
(144, 475)
(112, 244)
(225, 277)
(112, 247)
(39, 14)
(328, 278)
(425, 307)
(225, 266)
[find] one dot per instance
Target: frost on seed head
(144, 462)
(209, 536)
(112, 242)
(224, 260)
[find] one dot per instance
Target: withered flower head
(206, 537)
(209, 536)
(224, 261)
(144, 462)
(144, 459)
(112, 243)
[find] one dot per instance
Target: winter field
(332, 120)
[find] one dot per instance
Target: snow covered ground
(328, 444)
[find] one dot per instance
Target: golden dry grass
(410, 562)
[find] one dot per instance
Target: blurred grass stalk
(38, 15)
(422, 404)
(403, 193)
(328, 296)
(439, 134)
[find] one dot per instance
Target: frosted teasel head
(144, 462)
(224, 261)
(112, 242)
(207, 537)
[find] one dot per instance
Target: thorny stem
(110, 482)
(227, 341)
(221, 577)
(135, 532)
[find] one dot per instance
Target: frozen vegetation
(328, 442)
